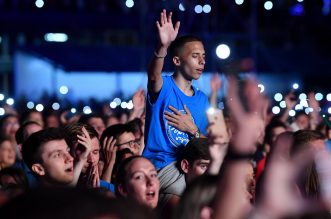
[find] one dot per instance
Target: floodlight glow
(0, 39)
(2, 111)
(64, 89)
(211, 110)
(117, 101)
(295, 86)
(223, 51)
(10, 101)
(87, 110)
(129, 3)
(30, 105)
(298, 107)
(198, 9)
(2, 97)
(291, 113)
(278, 97)
(181, 7)
(39, 107)
(56, 37)
(300, 0)
(73, 110)
(329, 110)
(113, 105)
(55, 106)
(275, 110)
(307, 111)
(239, 2)
(268, 5)
(319, 96)
(303, 96)
(39, 3)
(328, 97)
(304, 103)
(282, 104)
(206, 8)
(130, 105)
(124, 105)
(261, 86)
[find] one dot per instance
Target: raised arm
(167, 33)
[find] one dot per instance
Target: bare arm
(167, 33)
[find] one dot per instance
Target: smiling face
(7, 154)
(141, 182)
(191, 60)
(57, 163)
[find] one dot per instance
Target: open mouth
(150, 194)
(69, 170)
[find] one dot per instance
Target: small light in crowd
(30, 105)
(129, 3)
(291, 113)
(278, 97)
(307, 111)
(39, 3)
(64, 89)
(295, 86)
(113, 105)
(124, 105)
(328, 97)
(117, 101)
(221, 105)
(211, 111)
(268, 5)
(261, 86)
(298, 107)
(329, 110)
(304, 103)
(282, 104)
(56, 37)
(223, 51)
(10, 101)
(302, 96)
(239, 2)
(300, 0)
(206, 8)
(73, 110)
(130, 105)
(198, 9)
(319, 96)
(2, 97)
(55, 106)
(2, 111)
(87, 110)
(275, 110)
(312, 110)
(39, 107)
(181, 7)
(323, 116)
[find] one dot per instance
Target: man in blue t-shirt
(175, 110)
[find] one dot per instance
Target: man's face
(128, 140)
(57, 162)
(94, 155)
(191, 60)
(97, 124)
(30, 129)
(198, 168)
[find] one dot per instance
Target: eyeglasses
(132, 143)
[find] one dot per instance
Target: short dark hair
(179, 42)
(115, 131)
(86, 117)
(270, 127)
(75, 128)
(19, 136)
(196, 149)
(32, 147)
(303, 137)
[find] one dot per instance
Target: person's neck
(183, 84)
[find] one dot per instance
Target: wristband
(158, 56)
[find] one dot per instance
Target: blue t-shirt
(107, 185)
(163, 140)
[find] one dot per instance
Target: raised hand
(93, 179)
(85, 145)
(215, 83)
(181, 121)
(166, 29)
(138, 101)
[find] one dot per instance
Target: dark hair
(25, 116)
(303, 137)
(269, 129)
(32, 147)
(177, 45)
(120, 156)
(75, 128)
(115, 131)
(86, 117)
(201, 192)
(18, 175)
(19, 136)
(135, 124)
(196, 149)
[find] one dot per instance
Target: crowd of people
(175, 156)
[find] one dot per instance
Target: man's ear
(38, 169)
(184, 165)
(122, 190)
(176, 60)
